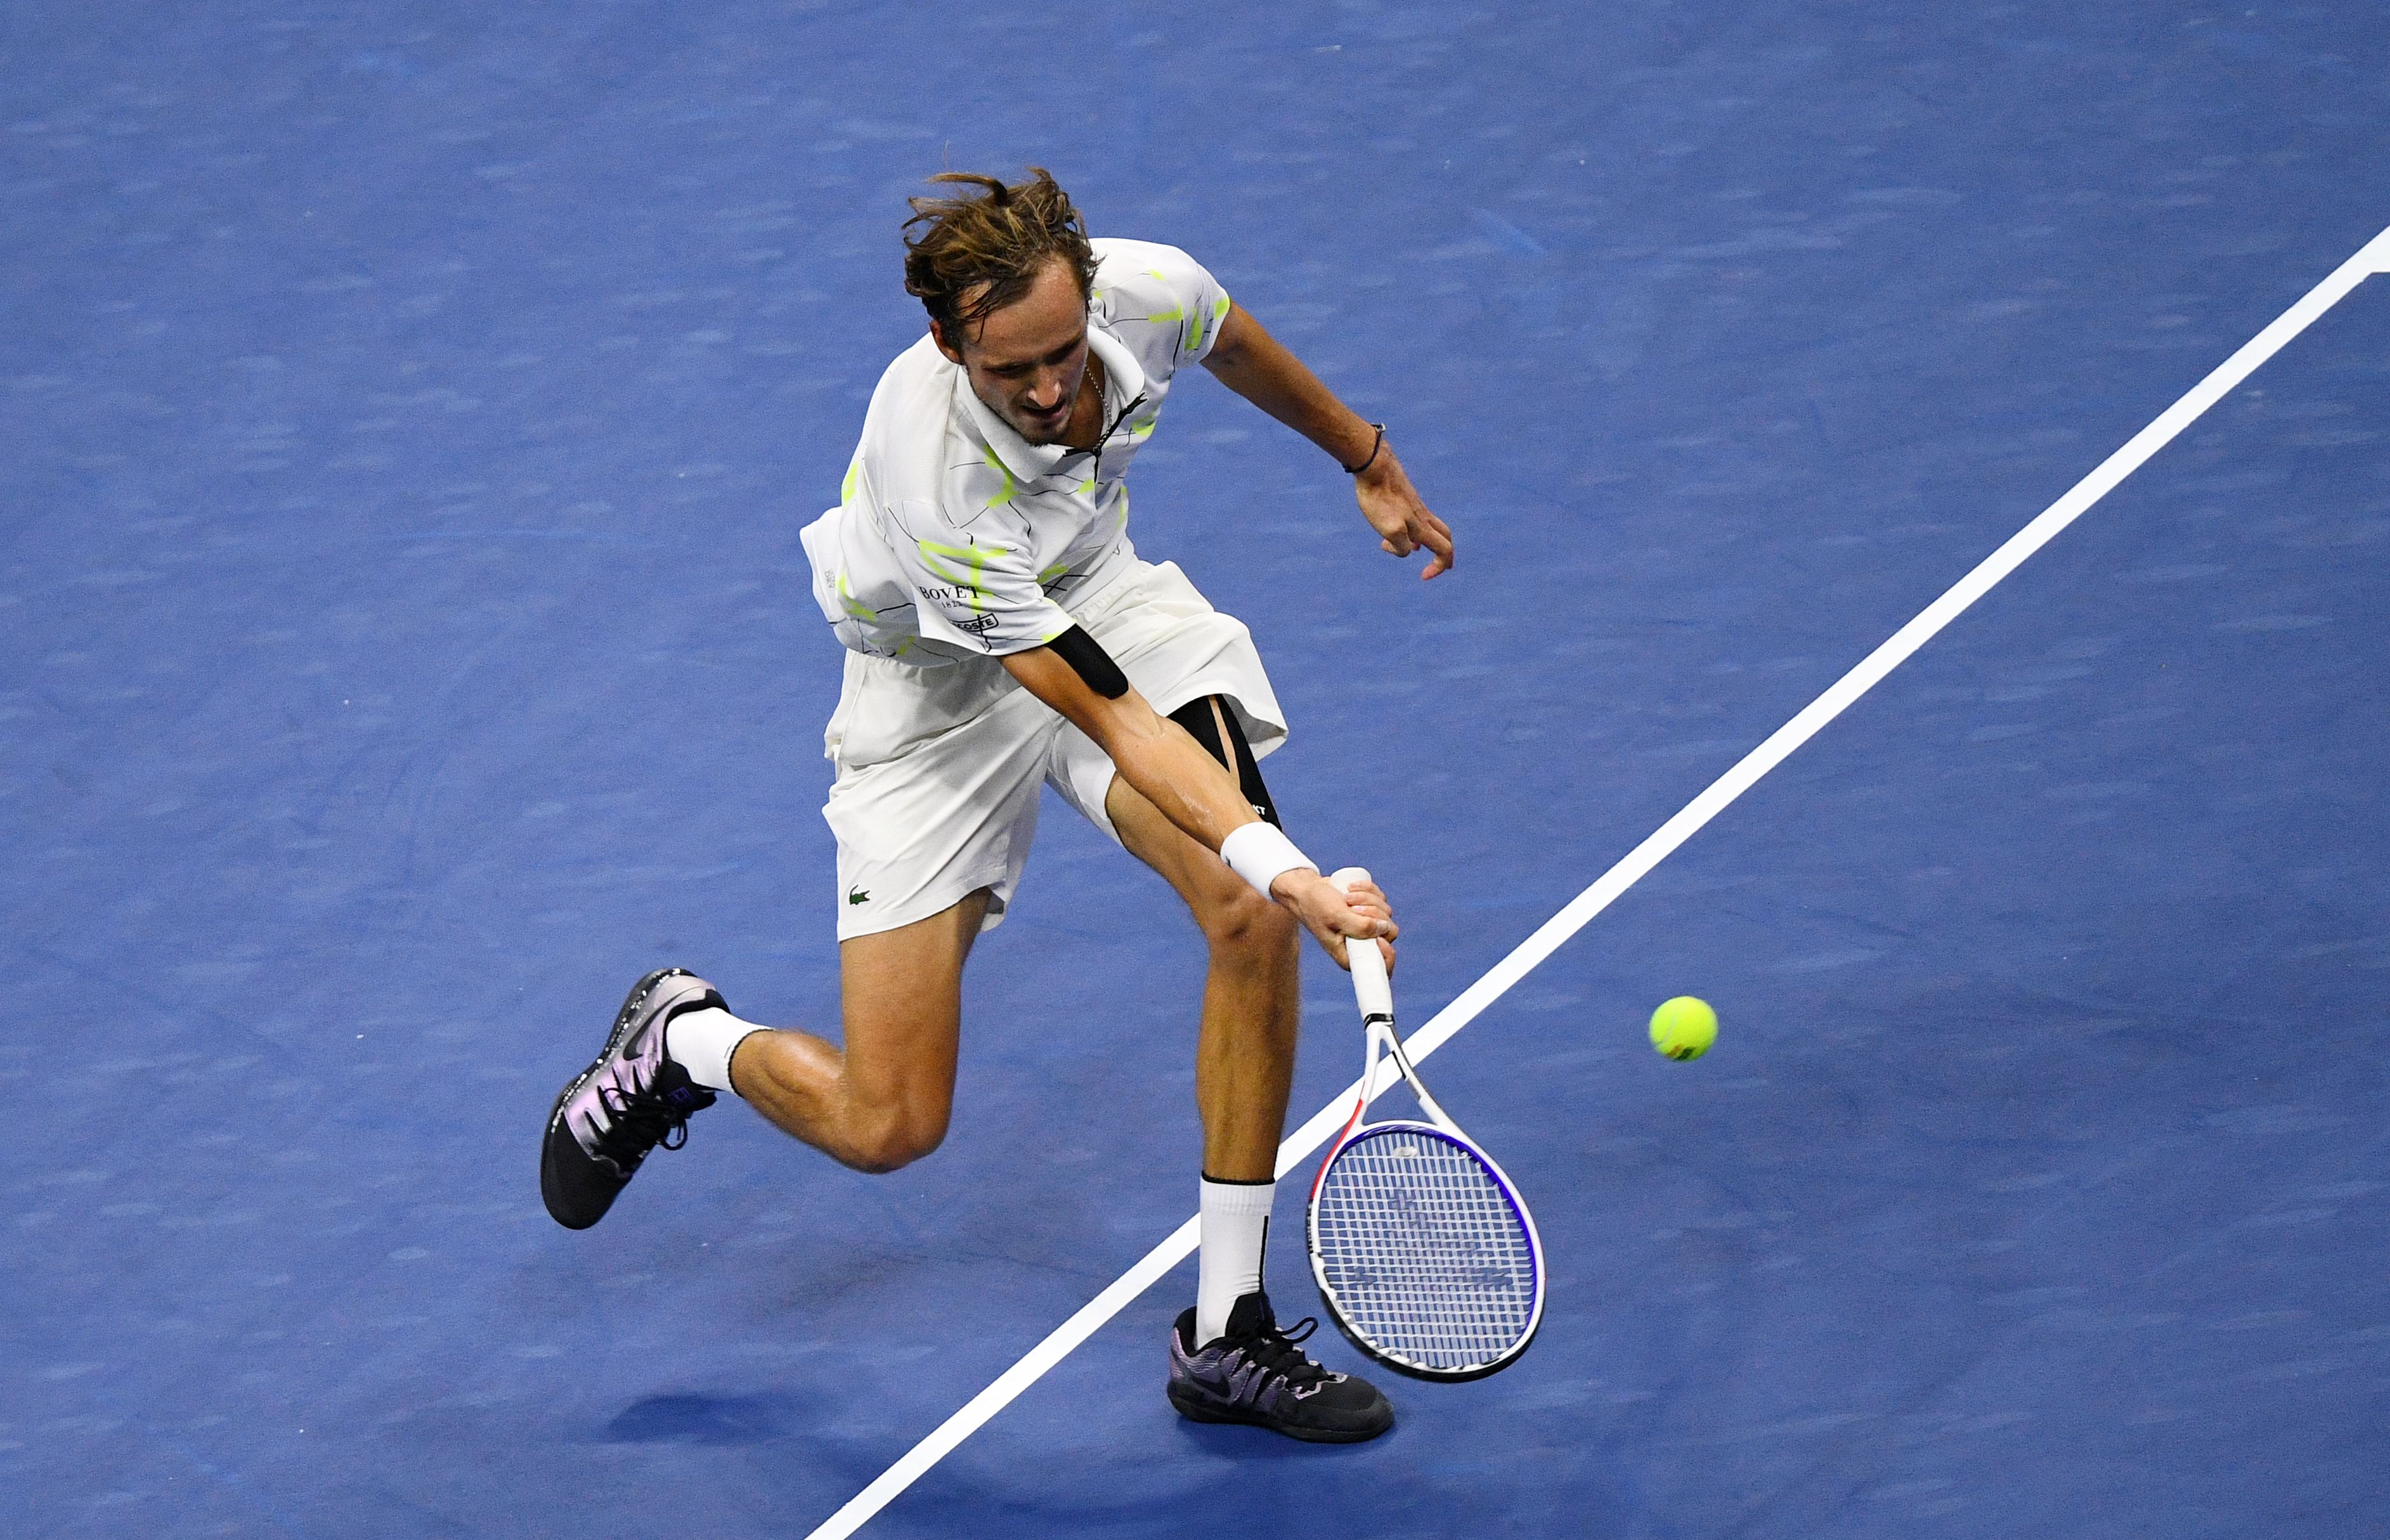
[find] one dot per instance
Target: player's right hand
(1332, 918)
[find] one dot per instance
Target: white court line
(2373, 258)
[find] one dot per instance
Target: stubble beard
(1039, 435)
(1089, 375)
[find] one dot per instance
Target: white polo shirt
(956, 537)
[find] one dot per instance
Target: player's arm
(1187, 786)
(1255, 365)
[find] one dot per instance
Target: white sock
(1236, 1226)
(702, 1041)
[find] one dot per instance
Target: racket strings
(1424, 1249)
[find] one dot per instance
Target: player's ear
(938, 335)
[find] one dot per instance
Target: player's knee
(879, 1159)
(894, 1140)
(881, 1151)
(1236, 919)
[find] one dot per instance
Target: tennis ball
(1684, 1027)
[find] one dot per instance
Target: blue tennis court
(411, 411)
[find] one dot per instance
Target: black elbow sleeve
(1091, 662)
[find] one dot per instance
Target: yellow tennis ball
(1684, 1028)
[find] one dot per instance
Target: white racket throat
(1425, 1256)
(1376, 994)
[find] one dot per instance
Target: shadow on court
(709, 1419)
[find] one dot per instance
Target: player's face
(1027, 360)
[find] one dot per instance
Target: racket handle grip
(1370, 987)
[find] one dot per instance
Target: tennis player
(1002, 634)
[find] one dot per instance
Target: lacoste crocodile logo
(857, 895)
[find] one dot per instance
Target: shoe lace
(1277, 1350)
(637, 1122)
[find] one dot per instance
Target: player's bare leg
(884, 1100)
(1253, 992)
(881, 1101)
(1229, 1361)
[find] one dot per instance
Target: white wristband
(1259, 852)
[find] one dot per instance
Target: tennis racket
(1425, 1254)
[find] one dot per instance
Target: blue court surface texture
(410, 410)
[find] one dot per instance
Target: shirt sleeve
(1171, 293)
(978, 589)
(1206, 304)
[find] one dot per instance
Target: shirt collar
(1027, 461)
(1125, 377)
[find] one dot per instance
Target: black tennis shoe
(1256, 1373)
(631, 1100)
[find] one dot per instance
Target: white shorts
(939, 768)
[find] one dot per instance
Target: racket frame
(1379, 1042)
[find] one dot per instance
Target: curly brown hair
(979, 254)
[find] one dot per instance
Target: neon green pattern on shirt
(846, 597)
(1196, 328)
(1003, 496)
(1176, 312)
(974, 559)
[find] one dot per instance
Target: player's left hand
(1393, 508)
